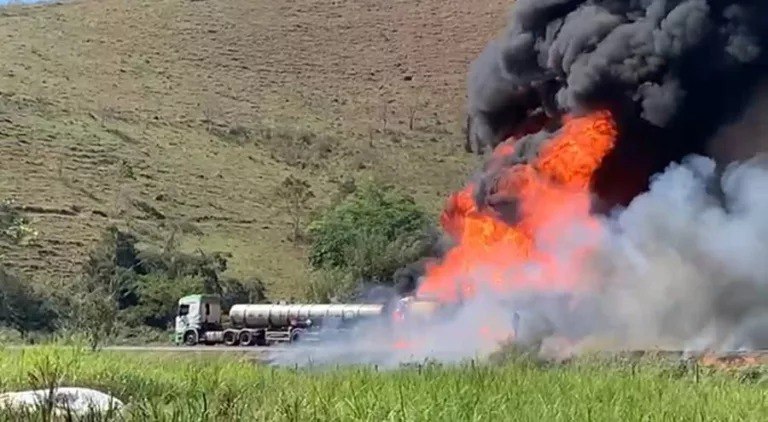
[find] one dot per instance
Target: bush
(14, 226)
(112, 266)
(330, 285)
(94, 312)
(121, 286)
(158, 295)
(124, 286)
(22, 308)
(367, 237)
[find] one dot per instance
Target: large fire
(549, 195)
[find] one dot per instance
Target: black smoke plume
(682, 77)
(673, 72)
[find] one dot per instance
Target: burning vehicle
(200, 320)
(622, 199)
(622, 179)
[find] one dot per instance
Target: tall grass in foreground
(177, 387)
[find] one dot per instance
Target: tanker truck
(199, 321)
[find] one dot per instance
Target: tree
(23, 309)
(95, 312)
(107, 285)
(111, 266)
(366, 237)
(173, 265)
(417, 102)
(158, 296)
(329, 285)
(142, 287)
(248, 291)
(374, 213)
(295, 194)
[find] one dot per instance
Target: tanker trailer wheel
(246, 338)
(230, 338)
(190, 338)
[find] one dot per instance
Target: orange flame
(551, 195)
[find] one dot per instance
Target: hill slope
(155, 114)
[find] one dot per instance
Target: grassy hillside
(172, 113)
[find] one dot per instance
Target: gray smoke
(743, 138)
(682, 264)
(683, 267)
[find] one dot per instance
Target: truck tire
(246, 338)
(190, 338)
(296, 335)
(230, 338)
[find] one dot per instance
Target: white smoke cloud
(684, 266)
(685, 262)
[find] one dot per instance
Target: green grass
(180, 387)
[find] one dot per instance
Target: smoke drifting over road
(624, 204)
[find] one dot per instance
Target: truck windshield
(183, 310)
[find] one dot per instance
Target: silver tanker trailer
(199, 321)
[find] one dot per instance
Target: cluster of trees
(359, 243)
(121, 288)
(356, 243)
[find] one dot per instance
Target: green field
(177, 387)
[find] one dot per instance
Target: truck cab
(195, 315)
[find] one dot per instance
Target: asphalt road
(177, 349)
(189, 349)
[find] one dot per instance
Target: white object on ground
(66, 400)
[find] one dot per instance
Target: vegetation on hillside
(129, 284)
(22, 308)
(14, 226)
(364, 238)
(121, 289)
